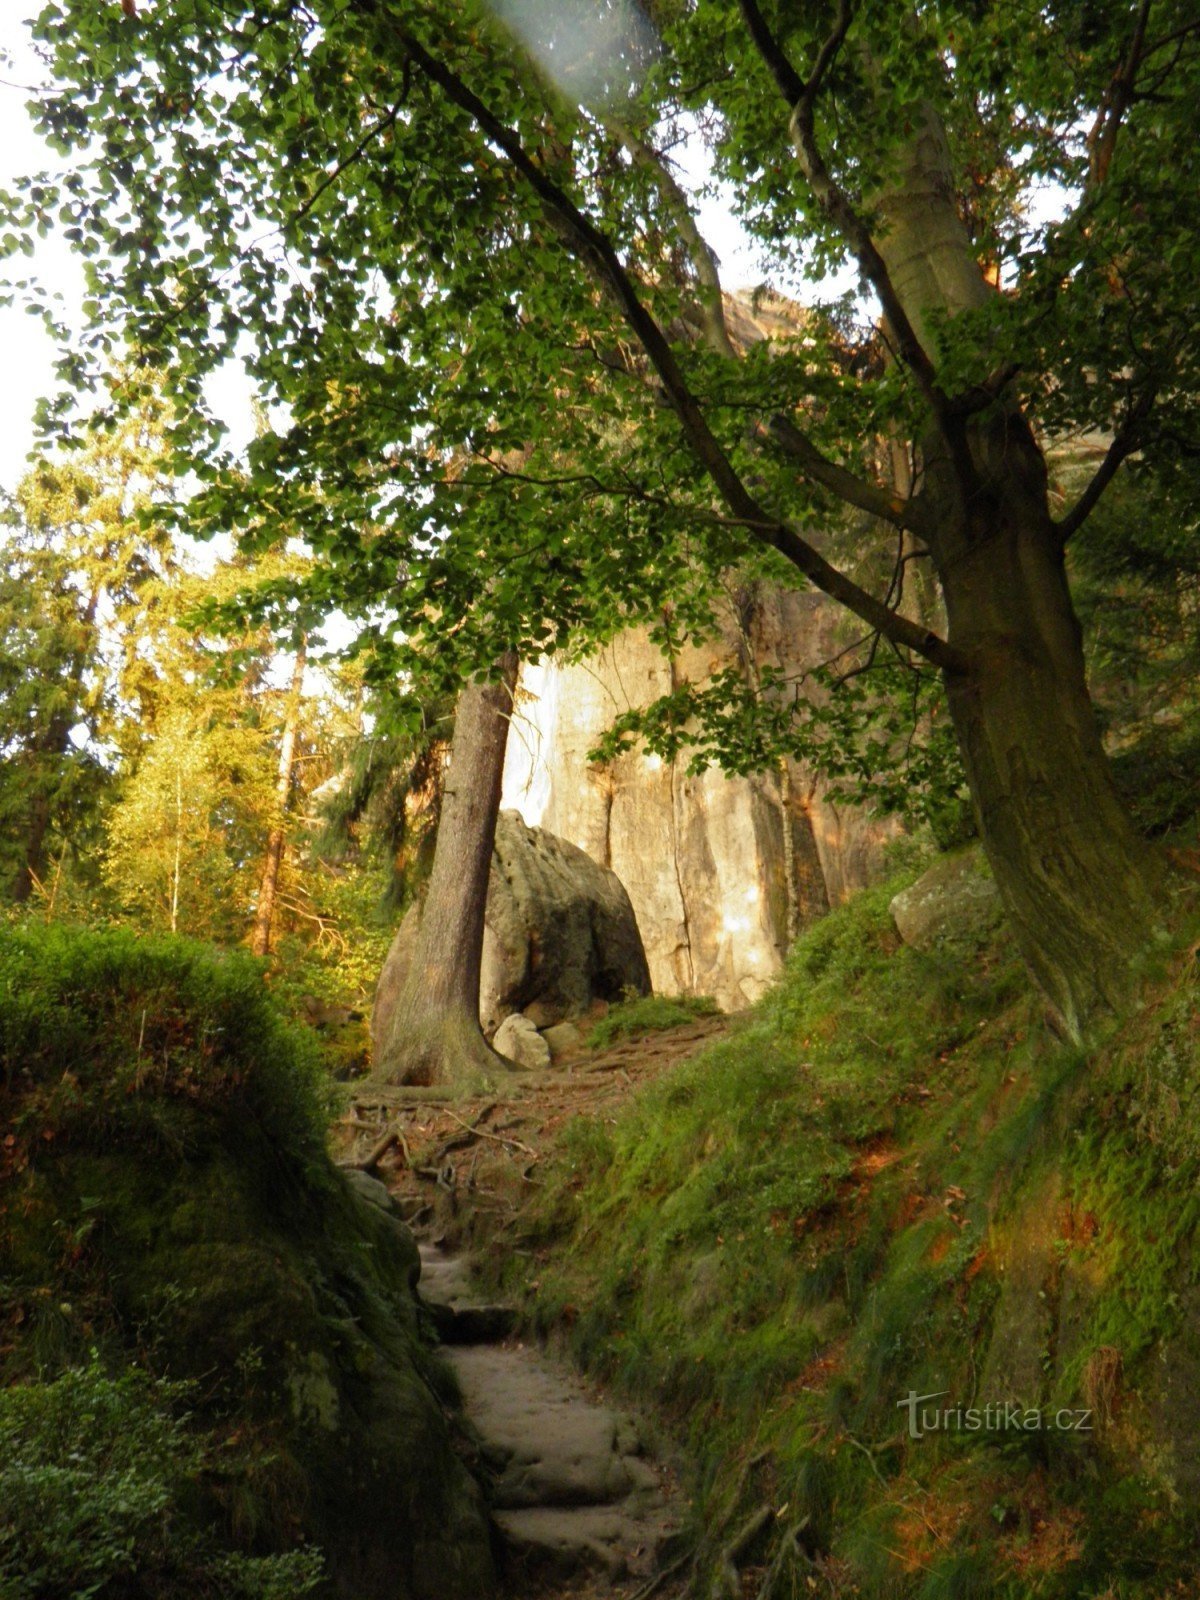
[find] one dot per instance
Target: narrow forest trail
(582, 1505)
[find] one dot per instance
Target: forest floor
(586, 1497)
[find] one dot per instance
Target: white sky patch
(28, 350)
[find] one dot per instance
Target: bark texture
(268, 890)
(435, 1035)
(1078, 884)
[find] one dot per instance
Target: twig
(485, 1133)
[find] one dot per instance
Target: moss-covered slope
(895, 1182)
(167, 1203)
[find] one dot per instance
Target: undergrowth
(650, 1013)
(95, 1473)
(211, 1367)
(893, 1179)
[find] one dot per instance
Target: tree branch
(700, 252)
(1115, 103)
(864, 496)
(593, 247)
(801, 97)
(788, 80)
(348, 160)
(1124, 442)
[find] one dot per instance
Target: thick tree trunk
(264, 916)
(1079, 885)
(434, 1035)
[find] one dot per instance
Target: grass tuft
(650, 1013)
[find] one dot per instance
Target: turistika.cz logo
(1005, 1416)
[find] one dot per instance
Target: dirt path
(581, 1506)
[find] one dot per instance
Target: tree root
(788, 1550)
(443, 1049)
(727, 1583)
(392, 1137)
(652, 1585)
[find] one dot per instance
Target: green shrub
(110, 1027)
(93, 1473)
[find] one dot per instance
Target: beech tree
(453, 248)
(433, 1035)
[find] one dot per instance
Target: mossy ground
(894, 1179)
(168, 1208)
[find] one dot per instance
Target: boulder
(560, 935)
(559, 931)
(519, 1040)
(565, 1040)
(955, 899)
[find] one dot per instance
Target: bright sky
(28, 353)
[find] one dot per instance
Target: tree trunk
(264, 916)
(1079, 885)
(178, 848)
(434, 1035)
(47, 752)
(29, 873)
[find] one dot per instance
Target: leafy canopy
(371, 204)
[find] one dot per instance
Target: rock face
(710, 862)
(560, 933)
(956, 898)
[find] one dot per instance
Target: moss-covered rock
(170, 1202)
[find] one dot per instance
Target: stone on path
(572, 1489)
(518, 1040)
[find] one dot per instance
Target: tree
(268, 888)
(434, 1034)
(77, 566)
(498, 333)
(197, 839)
(169, 838)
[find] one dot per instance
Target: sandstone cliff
(708, 865)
